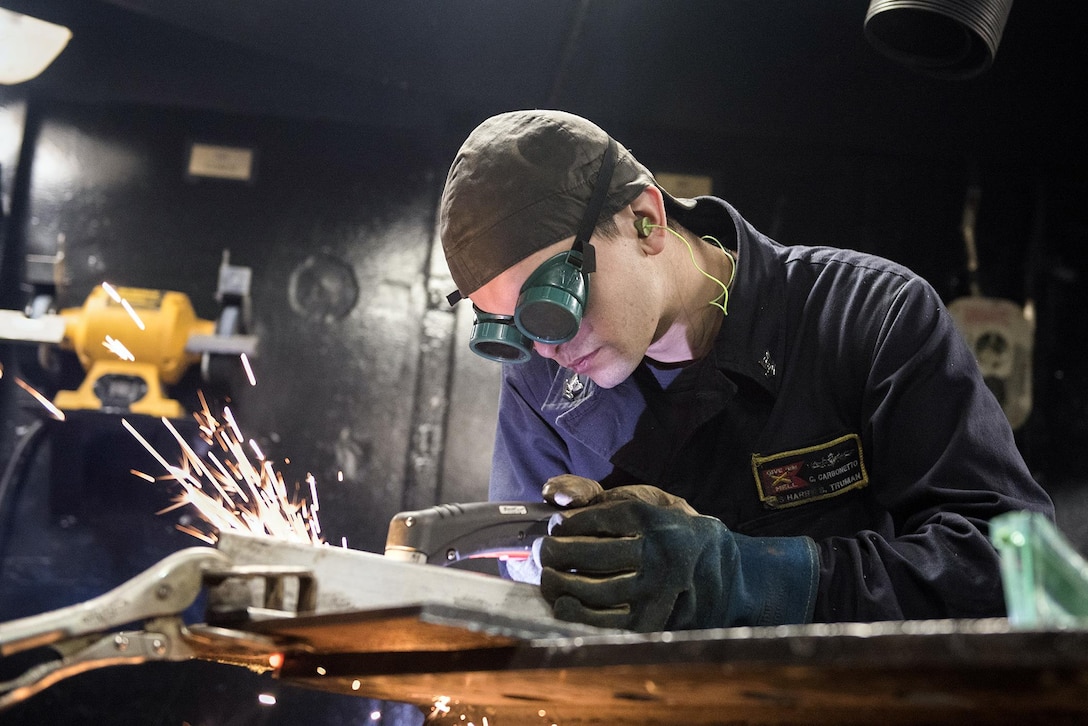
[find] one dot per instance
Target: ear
(650, 205)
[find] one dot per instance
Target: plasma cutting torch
(452, 533)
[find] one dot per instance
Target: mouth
(581, 365)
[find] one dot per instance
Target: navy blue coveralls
(838, 402)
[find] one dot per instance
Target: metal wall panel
(336, 226)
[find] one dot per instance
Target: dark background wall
(355, 110)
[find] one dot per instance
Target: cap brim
(681, 203)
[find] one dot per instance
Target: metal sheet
(914, 672)
(464, 644)
(412, 629)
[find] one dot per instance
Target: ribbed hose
(955, 39)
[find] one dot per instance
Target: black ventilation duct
(955, 39)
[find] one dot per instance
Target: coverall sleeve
(944, 463)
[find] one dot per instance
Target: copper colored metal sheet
(456, 663)
(409, 629)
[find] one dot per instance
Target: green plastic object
(1044, 578)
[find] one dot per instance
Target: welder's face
(619, 321)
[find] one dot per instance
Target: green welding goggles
(549, 310)
(554, 298)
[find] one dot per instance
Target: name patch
(810, 474)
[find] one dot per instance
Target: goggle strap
(593, 209)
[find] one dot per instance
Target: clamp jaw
(87, 635)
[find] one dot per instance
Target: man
(780, 434)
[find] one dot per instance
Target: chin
(604, 381)
(612, 375)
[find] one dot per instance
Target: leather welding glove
(639, 558)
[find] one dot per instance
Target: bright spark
(118, 348)
(53, 410)
(313, 491)
(132, 314)
(231, 492)
(116, 297)
(229, 416)
(249, 370)
(151, 449)
(112, 292)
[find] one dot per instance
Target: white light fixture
(28, 46)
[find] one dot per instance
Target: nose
(546, 350)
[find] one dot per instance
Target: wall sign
(221, 162)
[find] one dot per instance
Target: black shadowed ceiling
(698, 69)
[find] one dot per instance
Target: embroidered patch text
(795, 477)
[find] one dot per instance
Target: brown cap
(520, 183)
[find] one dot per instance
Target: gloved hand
(639, 558)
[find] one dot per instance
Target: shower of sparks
(118, 348)
(230, 491)
(249, 370)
